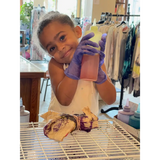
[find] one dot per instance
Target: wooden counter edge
(32, 75)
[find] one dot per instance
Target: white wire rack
(109, 141)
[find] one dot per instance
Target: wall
(100, 6)
(93, 8)
(36, 2)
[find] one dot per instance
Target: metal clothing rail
(120, 104)
(122, 85)
(125, 15)
(108, 16)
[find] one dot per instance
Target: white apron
(85, 95)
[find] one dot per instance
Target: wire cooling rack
(109, 141)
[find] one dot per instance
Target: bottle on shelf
(134, 120)
(125, 113)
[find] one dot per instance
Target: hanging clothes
(135, 65)
(112, 52)
(109, 51)
(122, 55)
(118, 46)
(36, 52)
(111, 61)
(127, 70)
(104, 28)
(139, 92)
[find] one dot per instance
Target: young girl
(58, 36)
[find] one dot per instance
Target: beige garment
(115, 69)
(104, 29)
(108, 50)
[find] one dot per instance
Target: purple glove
(101, 75)
(73, 71)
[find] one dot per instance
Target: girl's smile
(67, 53)
(60, 40)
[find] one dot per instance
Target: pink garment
(26, 55)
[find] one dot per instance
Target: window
(134, 10)
(51, 5)
(67, 7)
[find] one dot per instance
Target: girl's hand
(101, 75)
(102, 43)
(85, 47)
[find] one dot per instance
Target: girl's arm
(63, 86)
(107, 90)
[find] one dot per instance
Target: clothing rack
(109, 15)
(117, 15)
(125, 15)
(122, 85)
(120, 103)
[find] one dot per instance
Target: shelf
(108, 141)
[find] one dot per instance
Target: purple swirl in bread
(60, 125)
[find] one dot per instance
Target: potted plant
(25, 13)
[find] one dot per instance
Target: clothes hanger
(102, 19)
(123, 22)
(108, 19)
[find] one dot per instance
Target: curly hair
(53, 16)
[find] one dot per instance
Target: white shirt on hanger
(104, 28)
(119, 37)
(109, 50)
(112, 53)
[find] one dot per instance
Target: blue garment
(130, 43)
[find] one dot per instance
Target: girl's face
(60, 40)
